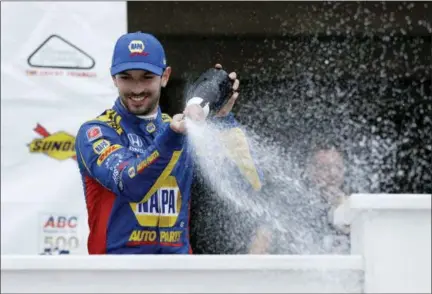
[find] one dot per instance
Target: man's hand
(193, 112)
(225, 110)
(178, 123)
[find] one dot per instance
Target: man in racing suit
(136, 165)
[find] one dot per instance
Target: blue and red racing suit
(137, 177)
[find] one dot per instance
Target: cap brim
(136, 65)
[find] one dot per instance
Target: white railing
(391, 253)
(182, 274)
(393, 234)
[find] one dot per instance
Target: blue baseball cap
(138, 51)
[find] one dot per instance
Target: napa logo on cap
(136, 47)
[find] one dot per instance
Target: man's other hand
(225, 110)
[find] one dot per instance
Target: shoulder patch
(111, 118)
(94, 133)
(166, 117)
(100, 145)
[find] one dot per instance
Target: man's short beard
(147, 111)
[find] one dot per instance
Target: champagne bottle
(211, 90)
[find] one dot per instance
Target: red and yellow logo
(108, 151)
(59, 145)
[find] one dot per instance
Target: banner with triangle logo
(57, 52)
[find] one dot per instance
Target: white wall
(37, 185)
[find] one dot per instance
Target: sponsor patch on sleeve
(94, 133)
(131, 172)
(100, 145)
(107, 152)
(147, 161)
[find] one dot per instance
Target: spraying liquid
(296, 220)
(328, 88)
(283, 207)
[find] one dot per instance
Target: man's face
(140, 90)
(327, 169)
